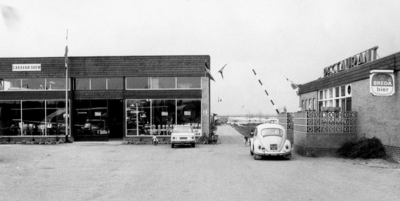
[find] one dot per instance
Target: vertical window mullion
(22, 126)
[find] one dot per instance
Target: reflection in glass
(33, 84)
(189, 113)
(163, 116)
(55, 84)
(137, 82)
(82, 113)
(82, 83)
(91, 117)
(188, 82)
(55, 119)
(115, 83)
(10, 118)
(163, 83)
(98, 83)
(33, 118)
(138, 117)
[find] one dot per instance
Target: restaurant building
(110, 97)
(368, 88)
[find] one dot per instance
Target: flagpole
(66, 90)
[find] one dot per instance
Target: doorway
(98, 120)
(115, 119)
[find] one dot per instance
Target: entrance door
(115, 118)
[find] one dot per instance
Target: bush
(364, 148)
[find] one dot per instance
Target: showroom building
(366, 85)
(119, 97)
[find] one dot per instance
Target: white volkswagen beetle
(270, 140)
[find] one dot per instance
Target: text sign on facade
(351, 62)
(26, 67)
(381, 82)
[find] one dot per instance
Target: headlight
(287, 147)
(173, 138)
(192, 138)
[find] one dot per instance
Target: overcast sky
(294, 38)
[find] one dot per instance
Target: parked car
(182, 135)
(270, 140)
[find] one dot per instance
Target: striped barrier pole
(277, 111)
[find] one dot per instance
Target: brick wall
(378, 116)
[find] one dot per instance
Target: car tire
(251, 153)
(193, 145)
(172, 145)
(287, 157)
(256, 157)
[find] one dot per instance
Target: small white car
(270, 140)
(183, 135)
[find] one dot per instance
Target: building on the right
(366, 85)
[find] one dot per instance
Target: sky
(279, 39)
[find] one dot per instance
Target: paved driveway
(113, 171)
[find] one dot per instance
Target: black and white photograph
(199, 100)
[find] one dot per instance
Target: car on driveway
(270, 140)
(183, 135)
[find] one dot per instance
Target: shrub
(364, 148)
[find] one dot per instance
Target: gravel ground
(114, 171)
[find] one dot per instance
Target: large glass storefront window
(189, 113)
(33, 118)
(91, 117)
(55, 117)
(163, 116)
(138, 117)
(10, 118)
(157, 117)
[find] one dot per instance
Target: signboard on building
(26, 67)
(381, 82)
(351, 62)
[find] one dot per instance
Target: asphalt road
(115, 171)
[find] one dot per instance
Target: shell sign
(381, 82)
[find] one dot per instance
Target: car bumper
(182, 141)
(261, 153)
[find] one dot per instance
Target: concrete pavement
(114, 171)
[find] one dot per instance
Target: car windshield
(271, 132)
(182, 129)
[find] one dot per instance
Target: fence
(325, 122)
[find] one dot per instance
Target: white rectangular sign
(26, 67)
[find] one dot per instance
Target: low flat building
(120, 97)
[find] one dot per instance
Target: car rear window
(182, 130)
(271, 132)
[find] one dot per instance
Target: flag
(293, 85)
(207, 69)
(66, 52)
